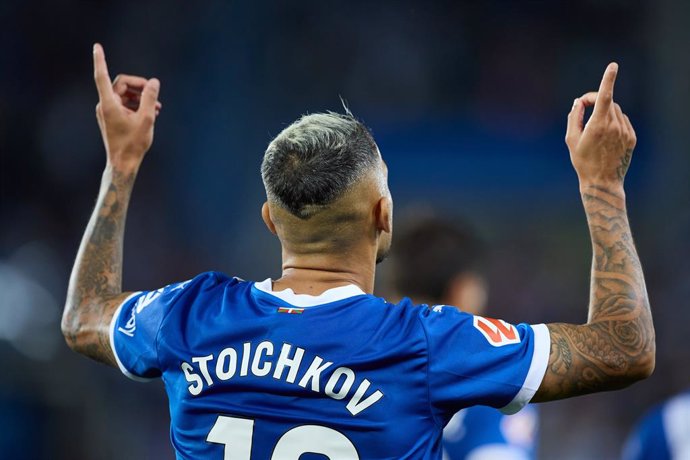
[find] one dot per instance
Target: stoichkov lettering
(204, 371)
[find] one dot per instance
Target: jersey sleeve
(137, 321)
(473, 360)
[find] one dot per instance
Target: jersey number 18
(236, 435)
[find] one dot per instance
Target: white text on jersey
(207, 370)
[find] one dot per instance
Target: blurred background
(467, 101)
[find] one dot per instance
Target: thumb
(575, 123)
(149, 97)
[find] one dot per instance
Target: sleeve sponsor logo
(178, 286)
(130, 326)
(496, 331)
(144, 301)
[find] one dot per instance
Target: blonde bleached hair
(316, 159)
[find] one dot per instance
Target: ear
(266, 216)
(384, 214)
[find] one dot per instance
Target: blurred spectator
(439, 262)
(663, 433)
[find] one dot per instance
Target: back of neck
(314, 274)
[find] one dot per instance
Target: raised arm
(126, 113)
(616, 347)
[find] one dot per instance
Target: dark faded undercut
(312, 162)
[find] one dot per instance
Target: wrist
(124, 158)
(120, 173)
(123, 167)
(602, 192)
(610, 187)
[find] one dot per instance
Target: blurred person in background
(440, 262)
(663, 433)
(312, 362)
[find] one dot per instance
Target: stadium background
(467, 101)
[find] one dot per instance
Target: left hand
(126, 112)
(601, 149)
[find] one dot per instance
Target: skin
(317, 258)
(126, 113)
(342, 244)
(617, 345)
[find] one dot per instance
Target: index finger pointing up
(605, 95)
(100, 74)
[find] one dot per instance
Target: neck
(314, 273)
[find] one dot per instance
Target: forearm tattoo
(96, 282)
(618, 339)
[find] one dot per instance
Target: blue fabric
(375, 377)
(648, 439)
(480, 426)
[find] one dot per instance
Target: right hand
(126, 112)
(600, 150)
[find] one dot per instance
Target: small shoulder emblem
(291, 310)
(496, 331)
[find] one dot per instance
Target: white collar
(306, 300)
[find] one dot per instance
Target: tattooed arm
(126, 113)
(617, 346)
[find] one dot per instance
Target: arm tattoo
(616, 346)
(625, 164)
(95, 288)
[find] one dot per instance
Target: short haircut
(312, 162)
(428, 254)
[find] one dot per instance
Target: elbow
(70, 331)
(69, 336)
(638, 352)
(635, 370)
(643, 365)
(647, 363)
(635, 367)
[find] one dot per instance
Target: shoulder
(443, 319)
(426, 312)
(204, 283)
(181, 296)
(426, 316)
(214, 278)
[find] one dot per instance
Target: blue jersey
(483, 433)
(256, 374)
(662, 434)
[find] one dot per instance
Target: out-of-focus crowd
(467, 102)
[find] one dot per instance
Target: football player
(312, 363)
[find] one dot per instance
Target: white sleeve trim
(113, 322)
(537, 369)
